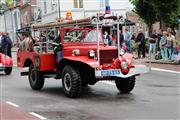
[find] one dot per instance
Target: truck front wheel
(125, 85)
(71, 82)
(36, 79)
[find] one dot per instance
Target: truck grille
(107, 56)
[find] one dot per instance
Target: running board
(24, 73)
(50, 76)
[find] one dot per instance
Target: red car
(6, 64)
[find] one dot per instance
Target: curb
(161, 62)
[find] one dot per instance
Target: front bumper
(1, 67)
(138, 69)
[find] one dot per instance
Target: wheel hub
(67, 81)
(33, 76)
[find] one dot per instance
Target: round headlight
(124, 65)
(91, 53)
(76, 52)
(2, 56)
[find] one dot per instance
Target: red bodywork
(5, 60)
(47, 62)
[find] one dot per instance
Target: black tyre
(125, 85)
(157, 57)
(71, 82)
(8, 70)
(36, 80)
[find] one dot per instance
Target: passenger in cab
(27, 43)
(106, 38)
(57, 47)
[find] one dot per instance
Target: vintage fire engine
(85, 57)
(6, 64)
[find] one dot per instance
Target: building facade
(52, 9)
(23, 13)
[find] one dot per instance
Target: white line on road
(164, 70)
(37, 115)
(12, 104)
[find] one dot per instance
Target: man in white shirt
(0, 41)
(0, 37)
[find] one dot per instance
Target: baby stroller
(177, 55)
(158, 55)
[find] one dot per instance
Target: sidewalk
(158, 64)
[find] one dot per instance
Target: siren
(107, 11)
(68, 15)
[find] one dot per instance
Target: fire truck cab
(85, 57)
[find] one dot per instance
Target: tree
(146, 11)
(165, 11)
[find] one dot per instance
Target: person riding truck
(57, 47)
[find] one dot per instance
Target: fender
(84, 59)
(22, 56)
(128, 56)
(6, 60)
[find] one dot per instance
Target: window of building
(102, 4)
(78, 3)
(53, 4)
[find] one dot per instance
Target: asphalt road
(155, 96)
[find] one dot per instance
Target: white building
(79, 8)
(47, 11)
(10, 22)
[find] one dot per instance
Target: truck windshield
(82, 36)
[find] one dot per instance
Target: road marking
(164, 70)
(107, 82)
(12, 104)
(37, 115)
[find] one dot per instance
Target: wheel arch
(78, 64)
(28, 62)
(87, 72)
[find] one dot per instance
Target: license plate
(110, 72)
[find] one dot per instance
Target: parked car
(6, 64)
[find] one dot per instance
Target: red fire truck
(85, 57)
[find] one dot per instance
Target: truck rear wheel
(71, 82)
(36, 80)
(8, 70)
(125, 85)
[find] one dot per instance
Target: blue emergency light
(108, 11)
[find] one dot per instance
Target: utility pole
(59, 9)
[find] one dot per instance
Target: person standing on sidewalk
(141, 44)
(152, 45)
(10, 45)
(4, 43)
(163, 46)
(127, 38)
(170, 42)
(0, 41)
(160, 34)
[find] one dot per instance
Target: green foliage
(158, 10)
(145, 10)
